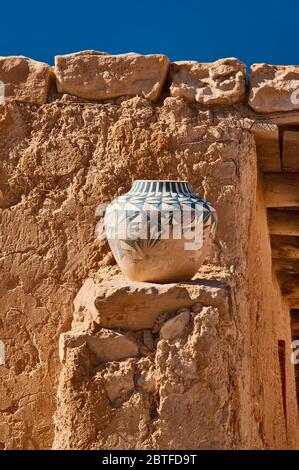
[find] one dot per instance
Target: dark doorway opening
(295, 337)
(282, 365)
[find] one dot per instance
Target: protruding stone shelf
(129, 305)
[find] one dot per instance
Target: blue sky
(254, 31)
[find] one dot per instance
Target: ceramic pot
(160, 231)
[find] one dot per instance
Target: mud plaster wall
(267, 323)
(58, 162)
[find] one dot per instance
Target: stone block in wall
(109, 304)
(25, 80)
(99, 76)
(273, 88)
(221, 82)
(109, 345)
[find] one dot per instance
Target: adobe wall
(62, 155)
(268, 322)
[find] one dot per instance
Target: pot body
(160, 231)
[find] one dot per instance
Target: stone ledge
(124, 304)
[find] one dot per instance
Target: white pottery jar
(160, 231)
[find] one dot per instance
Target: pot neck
(160, 187)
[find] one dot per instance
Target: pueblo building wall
(75, 137)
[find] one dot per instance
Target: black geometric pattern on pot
(163, 199)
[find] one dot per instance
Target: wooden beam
(286, 265)
(295, 328)
(267, 146)
(290, 118)
(290, 154)
(281, 190)
(289, 284)
(245, 114)
(283, 222)
(285, 247)
(295, 321)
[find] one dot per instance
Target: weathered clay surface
(100, 76)
(274, 88)
(24, 79)
(218, 83)
(57, 163)
(186, 379)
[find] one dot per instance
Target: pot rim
(162, 181)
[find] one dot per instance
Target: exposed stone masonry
(98, 76)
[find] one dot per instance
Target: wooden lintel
(248, 117)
